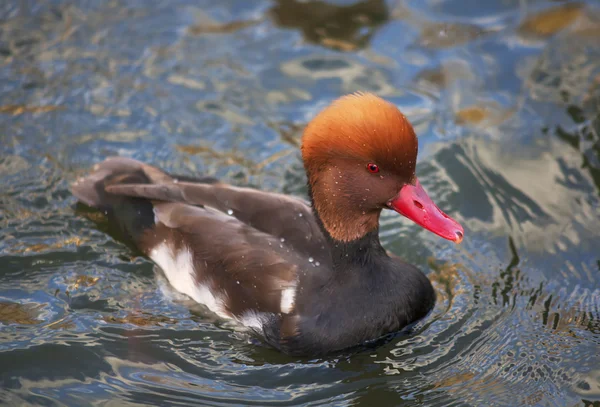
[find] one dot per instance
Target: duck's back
(117, 179)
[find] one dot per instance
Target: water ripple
(504, 96)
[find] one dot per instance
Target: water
(505, 97)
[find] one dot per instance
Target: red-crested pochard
(310, 278)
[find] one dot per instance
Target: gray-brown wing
(286, 218)
(243, 269)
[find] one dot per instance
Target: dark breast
(356, 306)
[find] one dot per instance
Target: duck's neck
(342, 213)
(361, 250)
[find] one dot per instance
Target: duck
(308, 277)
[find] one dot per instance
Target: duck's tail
(131, 216)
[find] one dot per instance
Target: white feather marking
(253, 319)
(288, 298)
(179, 270)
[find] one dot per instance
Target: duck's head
(360, 155)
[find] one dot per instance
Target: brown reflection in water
(344, 28)
(16, 313)
(484, 113)
(17, 110)
(551, 21)
(446, 276)
(564, 319)
(471, 114)
(289, 132)
(141, 320)
(83, 281)
(41, 247)
(486, 387)
(210, 27)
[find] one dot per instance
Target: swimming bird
(309, 277)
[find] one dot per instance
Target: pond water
(505, 98)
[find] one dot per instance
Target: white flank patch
(179, 270)
(288, 298)
(252, 319)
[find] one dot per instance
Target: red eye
(374, 168)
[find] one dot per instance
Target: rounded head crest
(364, 127)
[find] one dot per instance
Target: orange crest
(364, 127)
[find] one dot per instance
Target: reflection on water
(505, 96)
(346, 27)
(550, 21)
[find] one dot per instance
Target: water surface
(505, 98)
